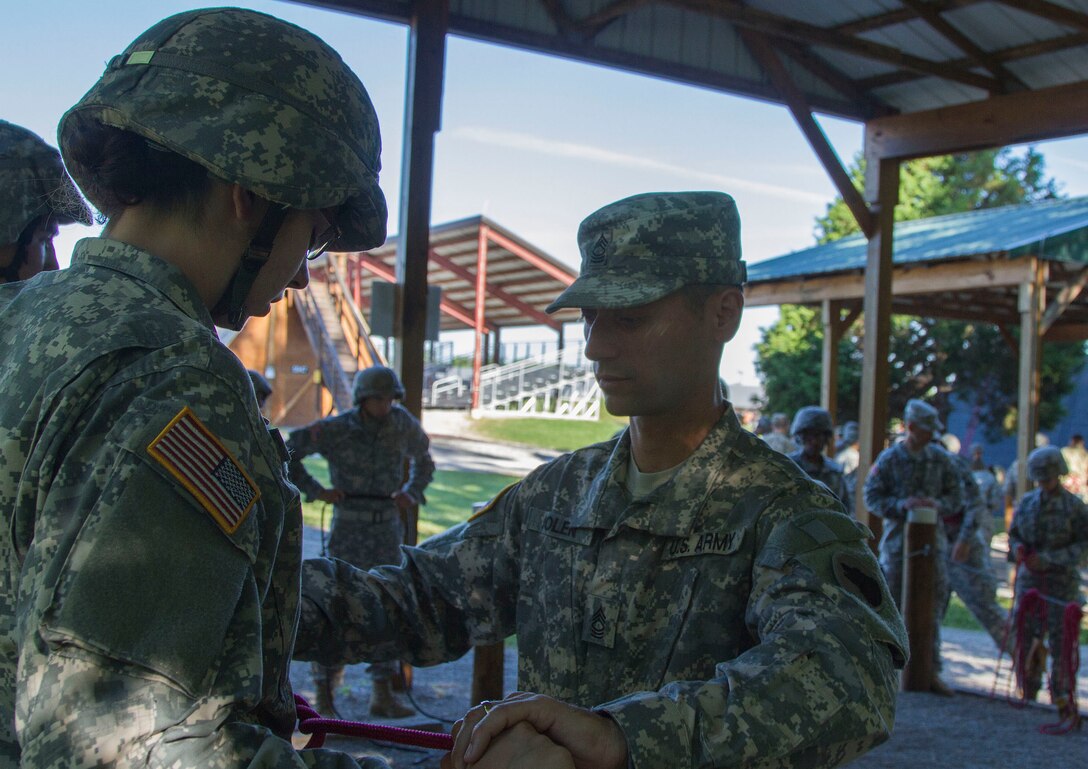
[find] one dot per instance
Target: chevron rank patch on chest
(200, 462)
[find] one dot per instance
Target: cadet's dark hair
(121, 169)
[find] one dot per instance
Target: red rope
(311, 722)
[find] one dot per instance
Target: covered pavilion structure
(979, 265)
(926, 77)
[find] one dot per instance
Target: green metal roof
(1052, 229)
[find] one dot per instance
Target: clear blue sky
(534, 142)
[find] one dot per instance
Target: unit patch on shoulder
(487, 508)
(191, 453)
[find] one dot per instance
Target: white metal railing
(557, 384)
(454, 385)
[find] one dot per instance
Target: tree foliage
(928, 358)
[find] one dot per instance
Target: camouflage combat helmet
(33, 183)
(258, 102)
(1046, 462)
(376, 382)
(811, 418)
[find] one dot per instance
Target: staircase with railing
(337, 331)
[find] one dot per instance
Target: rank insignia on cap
(191, 453)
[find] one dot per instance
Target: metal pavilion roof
(1056, 230)
(964, 266)
(521, 279)
(858, 59)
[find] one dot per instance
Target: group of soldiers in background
(1048, 528)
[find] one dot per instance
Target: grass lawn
(558, 434)
(449, 497)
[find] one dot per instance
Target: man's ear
(726, 307)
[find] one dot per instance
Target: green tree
(928, 358)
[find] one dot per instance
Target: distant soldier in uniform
(779, 437)
(848, 454)
(908, 475)
(682, 577)
(261, 388)
(812, 429)
(967, 560)
(36, 197)
(1048, 540)
(152, 548)
(366, 449)
(1011, 480)
(990, 488)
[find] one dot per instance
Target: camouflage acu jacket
(149, 593)
(1055, 528)
(734, 616)
(828, 473)
(365, 456)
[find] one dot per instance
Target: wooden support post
(919, 596)
(883, 183)
(487, 673)
(479, 315)
(1031, 302)
(422, 119)
(829, 371)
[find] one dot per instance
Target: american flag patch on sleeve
(191, 453)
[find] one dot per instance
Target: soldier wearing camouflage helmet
(909, 475)
(1048, 541)
(812, 429)
(152, 557)
(366, 448)
(681, 578)
(36, 197)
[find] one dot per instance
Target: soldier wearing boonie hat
(1048, 540)
(36, 195)
(147, 615)
(908, 475)
(646, 575)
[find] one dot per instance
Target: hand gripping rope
(311, 722)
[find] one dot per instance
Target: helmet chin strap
(231, 304)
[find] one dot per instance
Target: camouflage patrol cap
(642, 248)
(1046, 462)
(920, 413)
(850, 432)
(33, 183)
(811, 418)
(261, 387)
(258, 102)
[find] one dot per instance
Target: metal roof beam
(780, 26)
(1051, 11)
(929, 13)
(526, 309)
(765, 54)
(448, 306)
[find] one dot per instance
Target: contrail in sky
(530, 143)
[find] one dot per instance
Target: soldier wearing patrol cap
(915, 474)
(366, 448)
(152, 552)
(682, 594)
(812, 429)
(1048, 540)
(36, 196)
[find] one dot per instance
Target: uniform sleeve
(819, 686)
(951, 498)
(302, 443)
(454, 591)
(974, 506)
(143, 641)
(880, 495)
(421, 466)
(1015, 538)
